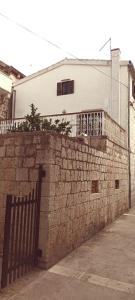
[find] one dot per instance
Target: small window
(133, 89)
(117, 184)
(94, 187)
(65, 87)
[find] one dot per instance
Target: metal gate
(21, 234)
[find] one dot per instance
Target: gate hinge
(43, 173)
(39, 252)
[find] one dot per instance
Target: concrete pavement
(102, 268)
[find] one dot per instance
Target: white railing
(8, 125)
(88, 123)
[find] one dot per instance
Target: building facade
(77, 85)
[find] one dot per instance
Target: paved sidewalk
(102, 268)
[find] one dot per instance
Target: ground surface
(102, 268)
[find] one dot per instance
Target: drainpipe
(13, 103)
(129, 158)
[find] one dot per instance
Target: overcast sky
(78, 26)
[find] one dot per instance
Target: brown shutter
(71, 86)
(59, 88)
(133, 89)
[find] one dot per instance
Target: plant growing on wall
(34, 122)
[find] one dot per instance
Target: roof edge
(68, 61)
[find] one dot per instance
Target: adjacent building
(8, 76)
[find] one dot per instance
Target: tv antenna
(108, 41)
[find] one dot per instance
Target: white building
(75, 85)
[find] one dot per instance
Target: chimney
(115, 84)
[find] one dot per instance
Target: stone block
(22, 174)
(70, 164)
(64, 164)
(73, 154)
(9, 174)
(2, 140)
(10, 151)
(68, 177)
(30, 150)
(20, 150)
(58, 161)
(63, 153)
(67, 188)
(63, 141)
(33, 174)
(9, 141)
(2, 151)
(19, 140)
(73, 187)
(69, 153)
(58, 143)
(28, 162)
(41, 156)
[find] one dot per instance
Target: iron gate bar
(27, 233)
(21, 233)
(16, 238)
(20, 240)
(23, 238)
(31, 233)
(13, 216)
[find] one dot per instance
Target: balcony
(92, 123)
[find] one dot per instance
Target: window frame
(95, 186)
(133, 89)
(62, 89)
(117, 184)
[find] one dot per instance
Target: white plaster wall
(132, 119)
(92, 90)
(115, 92)
(132, 129)
(124, 97)
(5, 82)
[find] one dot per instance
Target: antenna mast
(108, 41)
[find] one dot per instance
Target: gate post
(4, 275)
(38, 196)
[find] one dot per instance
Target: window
(94, 187)
(65, 87)
(133, 89)
(117, 184)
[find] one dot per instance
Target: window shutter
(59, 88)
(133, 89)
(71, 86)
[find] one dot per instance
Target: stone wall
(5, 106)
(79, 193)
(75, 213)
(114, 131)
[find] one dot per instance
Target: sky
(79, 27)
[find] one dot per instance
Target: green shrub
(34, 122)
